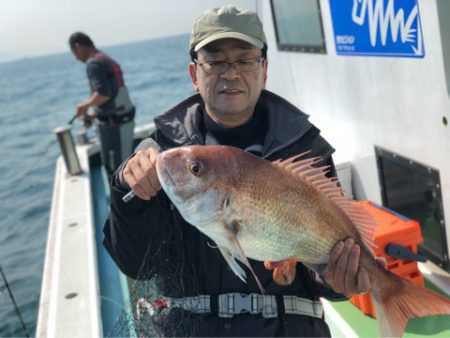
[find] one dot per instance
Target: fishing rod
(72, 119)
(24, 327)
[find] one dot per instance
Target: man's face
(230, 97)
(80, 52)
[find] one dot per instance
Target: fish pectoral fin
(239, 254)
(234, 251)
(283, 271)
(235, 267)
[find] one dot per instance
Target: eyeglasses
(220, 67)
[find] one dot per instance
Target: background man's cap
(227, 22)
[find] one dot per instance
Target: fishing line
(212, 246)
(47, 148)
(24, 327)
(23, 178)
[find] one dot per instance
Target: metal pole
(64, 135)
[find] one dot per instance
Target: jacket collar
(181, 124)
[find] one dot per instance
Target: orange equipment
(396, 239)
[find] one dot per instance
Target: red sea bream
(284, 211)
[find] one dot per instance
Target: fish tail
(397, 300)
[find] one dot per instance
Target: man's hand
(81, 109)
(343, 273)
(96, 99)
(140, 174)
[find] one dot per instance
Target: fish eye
(195, 168)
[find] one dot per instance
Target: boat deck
(69, 303)
(114, 292)
(85, 295)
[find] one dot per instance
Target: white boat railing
(70, 293)
(69, 304)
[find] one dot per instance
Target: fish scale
(267, 243)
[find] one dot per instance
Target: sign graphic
(377, 28)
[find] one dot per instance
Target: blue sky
(38, 27)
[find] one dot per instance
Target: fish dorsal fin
(316, 177)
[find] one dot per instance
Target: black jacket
(150, 238)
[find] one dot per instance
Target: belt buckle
(231, 304)
(268, 304)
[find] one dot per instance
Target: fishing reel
(88, 120)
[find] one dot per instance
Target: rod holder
(64, 135)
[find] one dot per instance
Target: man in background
(109, 97)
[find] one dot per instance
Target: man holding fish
(215, 188)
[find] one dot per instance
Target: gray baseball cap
(227, 22)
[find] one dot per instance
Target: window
(298, 25)
(414, 190)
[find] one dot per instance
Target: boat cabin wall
(399, 103)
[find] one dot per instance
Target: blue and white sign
(377, 28)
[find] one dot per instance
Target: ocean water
(36, 96)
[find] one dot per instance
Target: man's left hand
(343, 272)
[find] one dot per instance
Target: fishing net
(168, 271)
